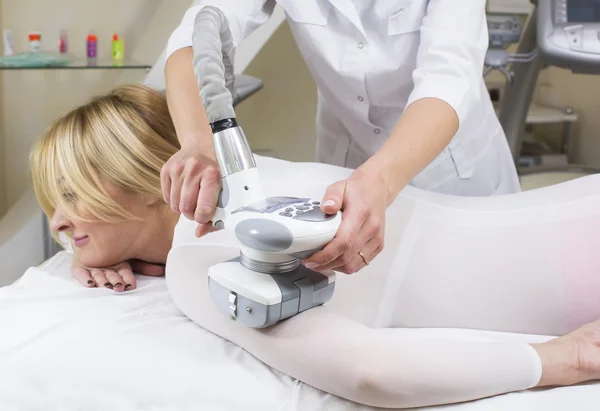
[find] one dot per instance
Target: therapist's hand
(118, 277)
(191, 183)
(363, 199)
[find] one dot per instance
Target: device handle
(219, 218)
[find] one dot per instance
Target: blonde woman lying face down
(524, 263)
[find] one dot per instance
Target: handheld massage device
(266, 283)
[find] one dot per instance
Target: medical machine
(266, 283)
(561, 33)
(503, 30)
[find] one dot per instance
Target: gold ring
(363, 257)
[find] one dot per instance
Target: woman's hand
(118, 277)
(191, 183)
(363, 199)
(571, 359)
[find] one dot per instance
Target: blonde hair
(123, 137)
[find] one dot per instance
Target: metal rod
(517, 95)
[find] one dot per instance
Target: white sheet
(64, 347)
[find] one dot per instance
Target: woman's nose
(60, 222)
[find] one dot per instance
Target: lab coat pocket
(307, 20)
(407, 16)
(464, 166)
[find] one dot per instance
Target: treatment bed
(65, 347)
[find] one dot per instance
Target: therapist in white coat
(401, 99)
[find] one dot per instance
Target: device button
(575, 37)
(289, 209)
(285, 214)
(318, 202)
(303, 208)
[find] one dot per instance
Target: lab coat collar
(347, 9)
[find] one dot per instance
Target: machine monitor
(569, 34)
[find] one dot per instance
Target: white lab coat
(367, 71)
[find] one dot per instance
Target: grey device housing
(554, 28)
(517, 96)
(301, 289)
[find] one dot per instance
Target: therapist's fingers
(210, 187)
(334, 197)
(369, 252)
(128, 278)
(204, 229)
(189, 192)
(165, 183)
(115, 279)
(340, 251)
(83, 275)
(100, 279)
(176, 185)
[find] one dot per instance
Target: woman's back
(511, 263)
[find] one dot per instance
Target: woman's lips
(80, 241)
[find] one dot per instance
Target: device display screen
(269, 205)
(583, 11)
(497, 26)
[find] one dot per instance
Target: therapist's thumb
(334, 196)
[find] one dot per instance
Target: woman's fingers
(190, 187)
(84, 276)
(148, 269)
(115, 279)
(119, 277)
(100, 279)
(204, 229)
(128, 278)
(176, 178)
(369, 252)
(340, 251)
(208, 195)
(369, 239)
(165, 182)
(334, 197)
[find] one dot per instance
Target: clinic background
(31, 99)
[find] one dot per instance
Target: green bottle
(118, 48)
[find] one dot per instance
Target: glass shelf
(49, 61)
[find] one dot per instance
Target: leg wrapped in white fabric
(523, 263)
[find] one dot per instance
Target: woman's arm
(377, 367)
(190, 180)
(424, 130)
(447, 85)
(183, 95)
(184, 102)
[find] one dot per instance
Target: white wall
(21, 238)
(32, 99)
(281, 117)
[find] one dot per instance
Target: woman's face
(103, 244)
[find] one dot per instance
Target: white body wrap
(525, 263)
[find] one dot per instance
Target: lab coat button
(377, 131)
(360, 98)
(361, 45)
